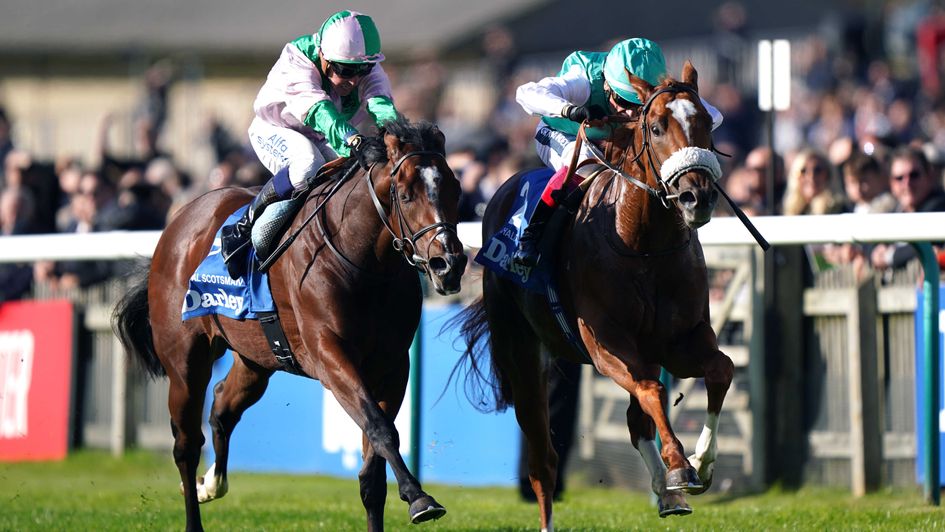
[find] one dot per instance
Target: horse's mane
(422, 135)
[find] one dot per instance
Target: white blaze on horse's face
(432, 178)
(683, 110)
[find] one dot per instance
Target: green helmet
(349, 37)
(643, 57)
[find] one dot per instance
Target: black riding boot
(235, 238)
(528, 252)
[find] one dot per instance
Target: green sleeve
(382, 108)
(325, 118)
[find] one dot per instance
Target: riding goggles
(347, 71)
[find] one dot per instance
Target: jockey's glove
(356, 143)
(580, 113)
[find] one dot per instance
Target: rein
(403, 244)
(664, 194)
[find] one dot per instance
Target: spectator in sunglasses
(916, 190)
(590, 85)
(323, 92)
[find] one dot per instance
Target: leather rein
(664, 194)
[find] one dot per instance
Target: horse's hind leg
(643, 438)
(185, 402)
(241, 388)
(516, 352)
(719, 372)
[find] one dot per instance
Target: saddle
(276, 219)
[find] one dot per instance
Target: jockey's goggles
(347, 71)
(624, 104)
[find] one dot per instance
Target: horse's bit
(404, 244)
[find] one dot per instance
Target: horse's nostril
(688, 199)
(439, 265)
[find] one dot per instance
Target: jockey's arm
(325, 118)
(382, 109)
(549, 96)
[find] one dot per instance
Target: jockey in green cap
(323, 92)
(590, 85)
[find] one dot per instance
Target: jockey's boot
(235, 239)
(528, 251)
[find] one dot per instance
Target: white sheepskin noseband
(688, 159)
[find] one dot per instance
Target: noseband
(404, 244)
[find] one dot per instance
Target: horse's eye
(405, 197)
(655, 129)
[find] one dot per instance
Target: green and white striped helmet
(643, 57)
(349, 37)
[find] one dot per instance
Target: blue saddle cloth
(212, 291)
(496, 253)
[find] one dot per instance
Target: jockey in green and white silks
(324, 90)
(589, 85)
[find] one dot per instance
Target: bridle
(668, 188)
(404, 244)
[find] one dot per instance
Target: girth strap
(279, 344)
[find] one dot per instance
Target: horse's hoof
(704, 470)
(210, 487)
(674, 504)
(685, 479)
(424, 509)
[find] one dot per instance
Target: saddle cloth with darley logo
(212, 291)
(496, 253)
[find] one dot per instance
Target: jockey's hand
(356, 143)
(580, 113)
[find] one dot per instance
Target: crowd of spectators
(865, 133)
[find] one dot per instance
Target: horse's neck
(354, 225)
(641, 220)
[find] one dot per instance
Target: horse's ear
(440, 138)
(640, 85)
(689, 75)
(393, 146)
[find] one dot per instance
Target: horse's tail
(484, 387)
(132, 325)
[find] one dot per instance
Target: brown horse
(348, 301)
(633, 282)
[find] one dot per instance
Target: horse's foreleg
(642, 383)
(185, 402)
(241, 389)
(345, 383)
(390, 392)
(719, 371)
(373, 482)
(642, 436)
(680, 475)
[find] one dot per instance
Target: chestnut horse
(348, 301)
(633, 282)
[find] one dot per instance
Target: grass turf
(93, 491)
